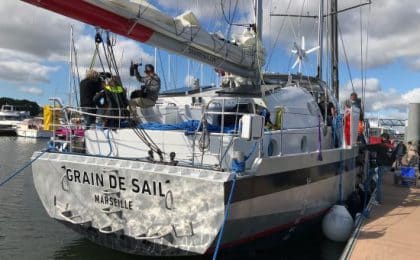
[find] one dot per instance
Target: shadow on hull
(301, 242)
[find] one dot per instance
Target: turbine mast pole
(334, 48)
(258, 31)
(320, 38)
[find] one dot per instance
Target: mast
(334, 48)
(258, 31)
(320, 37)
(258, 19)
(70, 65)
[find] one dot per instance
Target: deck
(393, 229)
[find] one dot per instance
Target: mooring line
(219, 239)
(11, 176)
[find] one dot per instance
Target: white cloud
(35, 31)
(31, 90)
(412, 96)
(19, 71)
(388, 101)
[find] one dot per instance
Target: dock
(392, 230)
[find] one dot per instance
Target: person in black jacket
(89, 86)
(382, 160)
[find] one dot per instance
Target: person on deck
(330, 113)
(115, 102)
(89, 87)
(148, 94)
(355, 101)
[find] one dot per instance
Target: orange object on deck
(361, 127)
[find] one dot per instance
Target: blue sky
(34, 48)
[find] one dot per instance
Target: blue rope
(21, 169)
(219, 239)
(236, 168)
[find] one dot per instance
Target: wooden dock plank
(393, 229)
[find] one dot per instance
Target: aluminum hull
(181, 209)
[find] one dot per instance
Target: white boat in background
(33, 128)
(10, 117)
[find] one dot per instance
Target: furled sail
(139, 20)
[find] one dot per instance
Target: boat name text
(147, 187)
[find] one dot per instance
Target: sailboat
(235, 163)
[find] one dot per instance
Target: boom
(183, 35)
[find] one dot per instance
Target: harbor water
(26, 231)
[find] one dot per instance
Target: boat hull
(33, 133)
(182, 210)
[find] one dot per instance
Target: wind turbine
(301, 53)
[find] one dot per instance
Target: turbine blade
(294, 51)
(300, 66)
(303, 43)
(312, 50)
(296, 63)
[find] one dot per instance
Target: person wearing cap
(148, 94)
(89, 87)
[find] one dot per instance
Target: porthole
(304, 144)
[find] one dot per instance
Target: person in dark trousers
(114, 102)
(89, 87)
(382, 160)
(148, 94)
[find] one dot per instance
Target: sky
(35, 48)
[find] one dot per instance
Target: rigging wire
(366, 55)
(345, 55)
(162, 69)
(229, 19)
(361, 47)
(76, 68)
(277, 36)
(112, 65)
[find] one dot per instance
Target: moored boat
(252, 157)
(32, 128)
(10, 117)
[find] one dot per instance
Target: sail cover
(183, 34)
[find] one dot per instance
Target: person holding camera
(148, 94)
(89, 86)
